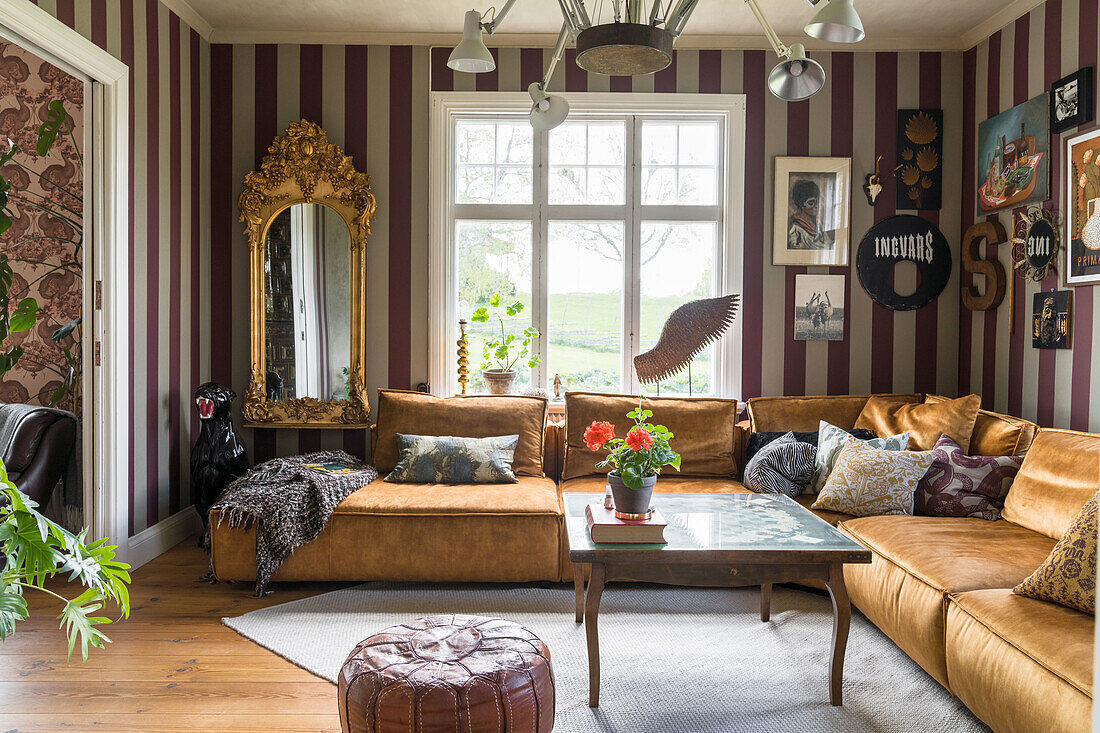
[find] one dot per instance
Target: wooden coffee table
(723, 540)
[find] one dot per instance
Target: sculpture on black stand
(218, 456)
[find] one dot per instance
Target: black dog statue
(218, 456)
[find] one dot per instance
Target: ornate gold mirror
(307, 214)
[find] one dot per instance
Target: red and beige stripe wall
(1058, 388)
(169, 238)
(374, 102)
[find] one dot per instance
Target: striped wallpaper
(374, 102)
(169, 236)
(1053, 387)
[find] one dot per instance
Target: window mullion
(540, 299)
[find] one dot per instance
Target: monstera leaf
(49, 130)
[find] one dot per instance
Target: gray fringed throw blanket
(292, 504)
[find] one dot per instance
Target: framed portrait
(1014, 157)
(812, 207)
(1071, 101)
(819, 307)
(1052, 320)
(1082, 240)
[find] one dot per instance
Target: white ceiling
(890, 24)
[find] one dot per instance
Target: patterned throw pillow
(435, 459)
(781, 467)
(1068, 575)
(757, 441)
(868, 482)
(958, 485)
(830, 441)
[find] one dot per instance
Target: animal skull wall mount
(872, 184)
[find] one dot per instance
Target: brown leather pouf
(468, 674)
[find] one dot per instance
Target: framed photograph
(1052, 320)
(1082, 240)
(1014, 157)
(812, 204)
(1071, 101)
(819, 307)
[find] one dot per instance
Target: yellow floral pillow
(1068, 575)
(870, 481)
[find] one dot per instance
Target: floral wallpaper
(44, 250)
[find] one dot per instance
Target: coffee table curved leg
(591, 612)
(578, 589)
(842, 617)
(765, 601)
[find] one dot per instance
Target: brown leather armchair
(36, 444)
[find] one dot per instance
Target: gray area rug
(674, 660)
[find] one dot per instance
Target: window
(601, 228)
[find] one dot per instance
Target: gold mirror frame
(302, 166)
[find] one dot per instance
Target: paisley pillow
(781, 467)
(958, 485)
(869, 482)
(1068, 575)
(830, 441)
(436, 459)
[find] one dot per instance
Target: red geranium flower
(598, 433)
(639, 439)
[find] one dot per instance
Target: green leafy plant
(506, 350)
(34, 549)
(642, 453)
(18, 311)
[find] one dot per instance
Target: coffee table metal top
(719, 528)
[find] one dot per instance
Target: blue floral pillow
(442, 459)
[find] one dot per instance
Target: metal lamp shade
(555, 112)
(471, 55)
(796, 78)
(624, 49)
(838, 22)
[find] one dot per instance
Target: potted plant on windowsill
(635, 461)
(502, 353)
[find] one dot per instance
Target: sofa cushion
(780, 414)
(925, 423)
(757, 441)
(1068, 576)
(868, 481)
(595, 484)
(917, 561)
(1020, 664)
(830, 443)
(783, 466)
(474, 416)
(961, 485)
(703, 429)
(996, 434)
(529, 495)
(445, 459)
(1060, 473)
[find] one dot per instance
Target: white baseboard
(162, 536)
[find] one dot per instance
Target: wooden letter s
(993, 233)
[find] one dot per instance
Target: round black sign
(903, 237)
(1041, 245)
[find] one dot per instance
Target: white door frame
(106, 434)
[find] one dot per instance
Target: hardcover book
(605, 527)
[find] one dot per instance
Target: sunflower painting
(920, 159)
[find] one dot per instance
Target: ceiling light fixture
(636, 43)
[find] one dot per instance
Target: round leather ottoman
(467, 674)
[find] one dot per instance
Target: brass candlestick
(463, 357)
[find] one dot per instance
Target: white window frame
(447, 107)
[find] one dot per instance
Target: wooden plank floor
(171, 667)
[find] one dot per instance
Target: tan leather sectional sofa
(939, 587)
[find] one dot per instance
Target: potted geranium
(502, 353)
(635, 460)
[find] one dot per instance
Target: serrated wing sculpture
(689, 329)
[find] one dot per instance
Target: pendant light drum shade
(624, 49)
(838, 22)
(471, 55)
(797, 77)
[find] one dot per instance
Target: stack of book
(605, 527)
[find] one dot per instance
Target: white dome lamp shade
(838, 22)
(548, 110)
(796, 77)
(471, 55)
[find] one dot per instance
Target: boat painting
(1014, 157)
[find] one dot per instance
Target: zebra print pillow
(783, 466)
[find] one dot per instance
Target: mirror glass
(307, 311)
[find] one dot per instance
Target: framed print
(920, 159)
(1082, 240)
(819, 307)
(812, 203)
(1014, 157)
(1071, 101)
(1052, 320)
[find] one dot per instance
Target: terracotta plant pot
(499, 381)
(629, 503)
